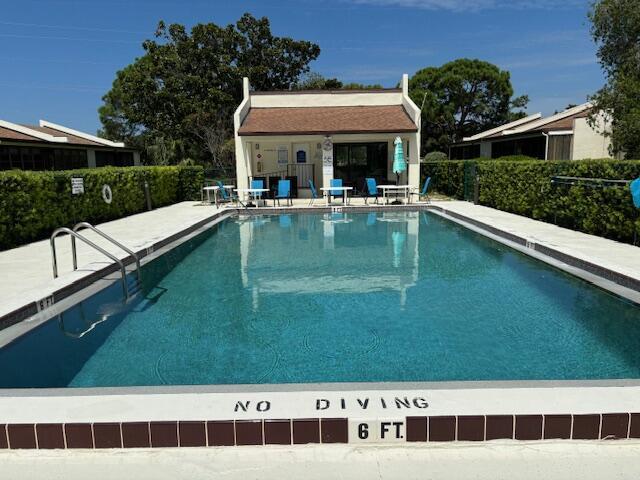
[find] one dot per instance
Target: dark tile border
(136, 435)
(302, 431)
(22, 435)
(50, 435)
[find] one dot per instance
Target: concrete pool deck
(495, 461)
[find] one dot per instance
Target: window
(68, 159)
(353, 162)
(113, 158)
(531, 147)
(559, 147)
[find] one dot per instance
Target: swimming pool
(353, 297)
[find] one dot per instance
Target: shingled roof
(327, 120)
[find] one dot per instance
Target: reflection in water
(389, 239)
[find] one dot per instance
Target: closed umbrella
(399, 163)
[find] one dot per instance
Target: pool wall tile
(557, 427)
(586, 427)
(306, 431)
(4, 442)
(442, 429)
(499, 427)
(471, 428)
(249, 432)
(50, 435)
(192, 434)
(277, 432)
(22, 435)
(335, 430)
(634, 428)
(164, 434)
(107, 435)
(416, 429)
(528, 427)
(136, 435)
(614, 426)
(78, 435)
(221, 433)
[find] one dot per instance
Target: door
(302, 167)
(353, 162)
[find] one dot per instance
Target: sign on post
(327, 161)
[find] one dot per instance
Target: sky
(59, 57)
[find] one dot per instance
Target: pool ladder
(73, 233)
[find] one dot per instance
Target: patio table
(249, 193)
(397, 188)
(327, 193)
(209, 189)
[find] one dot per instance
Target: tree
(315, 81)
(187, 84)
(462, 98)
(616, 30)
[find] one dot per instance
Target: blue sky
(59, 57)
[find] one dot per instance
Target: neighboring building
(319, 135)
(563, 136)
(53, 147)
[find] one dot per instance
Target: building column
(91, 158)
(413, 171)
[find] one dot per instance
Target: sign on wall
(77, 185)
(327, 157)
(283, 155)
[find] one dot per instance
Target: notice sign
(327, 159)
(77, 185)
(327, 152)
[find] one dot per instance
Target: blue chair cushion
(635, 192)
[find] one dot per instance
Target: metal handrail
(74, 235)
(82, 225)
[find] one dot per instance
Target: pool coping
(110, 425)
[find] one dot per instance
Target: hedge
(525, 188)
(33, 204)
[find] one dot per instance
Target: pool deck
(495, 461)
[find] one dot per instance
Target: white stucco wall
(589, 143)
(329, 99)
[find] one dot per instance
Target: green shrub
(436, 157)
(525, 188)
(33, 204)
(513, 158)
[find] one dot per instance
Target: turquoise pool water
(374, 297)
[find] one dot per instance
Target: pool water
(373, 297)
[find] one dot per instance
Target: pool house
(314, 136)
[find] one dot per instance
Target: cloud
(473, 5)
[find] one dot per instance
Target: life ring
(107, 195)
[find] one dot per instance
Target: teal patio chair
(314, 192)
(257, 184)
(371, 190)
(336, 182)
(226, 196)
(284, 192)
(424, 192)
